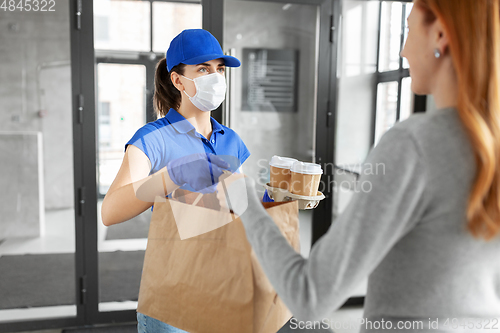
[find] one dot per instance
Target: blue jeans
(146, 324)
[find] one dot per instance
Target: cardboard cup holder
(305, 202)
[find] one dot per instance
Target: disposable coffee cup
(280, 171)
(305, 178)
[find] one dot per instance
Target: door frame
(150, 65)
(213, 21)
(79, 87)
(88, 196)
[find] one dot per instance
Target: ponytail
(166, 95)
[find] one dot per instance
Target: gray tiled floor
(60, 238)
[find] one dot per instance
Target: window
(394, 96)
(169, 19)
(374, 84)
(130, 37)
(142, 26)
(387, 108)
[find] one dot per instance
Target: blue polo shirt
(172, 137)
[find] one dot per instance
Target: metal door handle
(226, 110)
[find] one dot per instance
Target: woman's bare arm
(133, 191)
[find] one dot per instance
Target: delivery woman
(427, 234)
(182, 147)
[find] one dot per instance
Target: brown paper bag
(211, 282)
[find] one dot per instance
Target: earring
(437, 54)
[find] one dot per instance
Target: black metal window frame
(123, 57)
(85, 59)
(146, 58)
(381, 77)
(397, 75)
(151, 29)
(142, 59)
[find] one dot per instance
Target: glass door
(39, 286)
(121, 110)
(273, 97)
(126, 53)
(373, 90)
(287, 63)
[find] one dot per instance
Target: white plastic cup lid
(282, 162)
(307, 168)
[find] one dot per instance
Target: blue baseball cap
(195, 46)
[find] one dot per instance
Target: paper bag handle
(195, 202)
(198, 198)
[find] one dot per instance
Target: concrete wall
(21, 205)
(279, 26)
(35, 91)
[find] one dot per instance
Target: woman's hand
(236, 192)
(133, 191)
(200, 171)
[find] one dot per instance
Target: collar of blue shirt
(183, 126)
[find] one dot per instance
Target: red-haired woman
(426, 233)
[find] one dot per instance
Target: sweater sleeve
(387, 204)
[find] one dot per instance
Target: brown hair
(474, 33)
(166, 95)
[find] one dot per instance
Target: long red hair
(473, 27)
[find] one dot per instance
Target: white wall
(35, 76)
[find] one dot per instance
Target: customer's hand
(200, 171)
(236, 192)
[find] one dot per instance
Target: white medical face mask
(210, 91)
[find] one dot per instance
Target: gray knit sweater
(407, 234)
